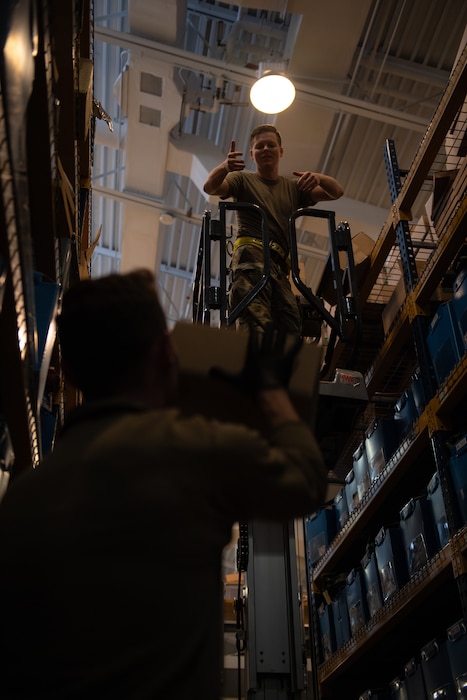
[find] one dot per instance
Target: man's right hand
(234, 160)
(216, 184)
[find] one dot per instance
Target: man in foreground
(111, 549)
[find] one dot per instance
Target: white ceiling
(174, 76)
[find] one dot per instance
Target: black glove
(268, 365)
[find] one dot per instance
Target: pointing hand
(307, 181)
(234, 159)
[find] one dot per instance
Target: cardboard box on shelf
(424, 230)
(442, 186)
(399, 296)
(362, 246)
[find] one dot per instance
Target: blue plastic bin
(405, 412)
(356, 600)
(437, 670)
(460, 305)
(379, 694)
(391, 560)
(340, 615)
(444, 341)
(458, 466)
(361, 471)
(435, 497)
(398, 689)
(457, 652)
(326, 629)
(374, 594)
(382, 437)
(414, 681)
(418, 530)
(418, 392)
(342, 509)
(320, 530)
(351, 491)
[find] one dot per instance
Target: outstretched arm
(321, 187)
(216, 183)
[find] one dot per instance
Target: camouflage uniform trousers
(275, 303)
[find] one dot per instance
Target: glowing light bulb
(272, 93)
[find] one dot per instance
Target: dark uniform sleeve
(282, 477)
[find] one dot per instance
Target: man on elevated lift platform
(279, 196)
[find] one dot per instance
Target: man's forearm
(216, 178)
(277, 407)
(330, 186)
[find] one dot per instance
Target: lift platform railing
(206, 296)
(344, 322)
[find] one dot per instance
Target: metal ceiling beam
(307, 94)
(144, 200)
(407, 69)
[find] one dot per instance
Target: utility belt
(258, 243)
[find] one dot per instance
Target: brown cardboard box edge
(398, 297)
(200, 347)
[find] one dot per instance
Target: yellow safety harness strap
(258, 243)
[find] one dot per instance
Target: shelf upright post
(409, 269)
(207, 269)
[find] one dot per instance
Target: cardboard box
(200, 347)
(442, 187)
(362, 246)
(399, 296)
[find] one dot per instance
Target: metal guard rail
(207, 297)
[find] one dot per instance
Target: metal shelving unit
(42, 171)
(436, 596)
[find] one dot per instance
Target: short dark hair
(264, 128)
(106, 326)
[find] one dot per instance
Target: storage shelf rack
(376, 653)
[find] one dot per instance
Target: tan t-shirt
(278, 199)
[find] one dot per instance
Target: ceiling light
(273, 91)
(166, 218)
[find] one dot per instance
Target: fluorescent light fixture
(273, 91)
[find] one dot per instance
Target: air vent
(151, 84)
(148, 115)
